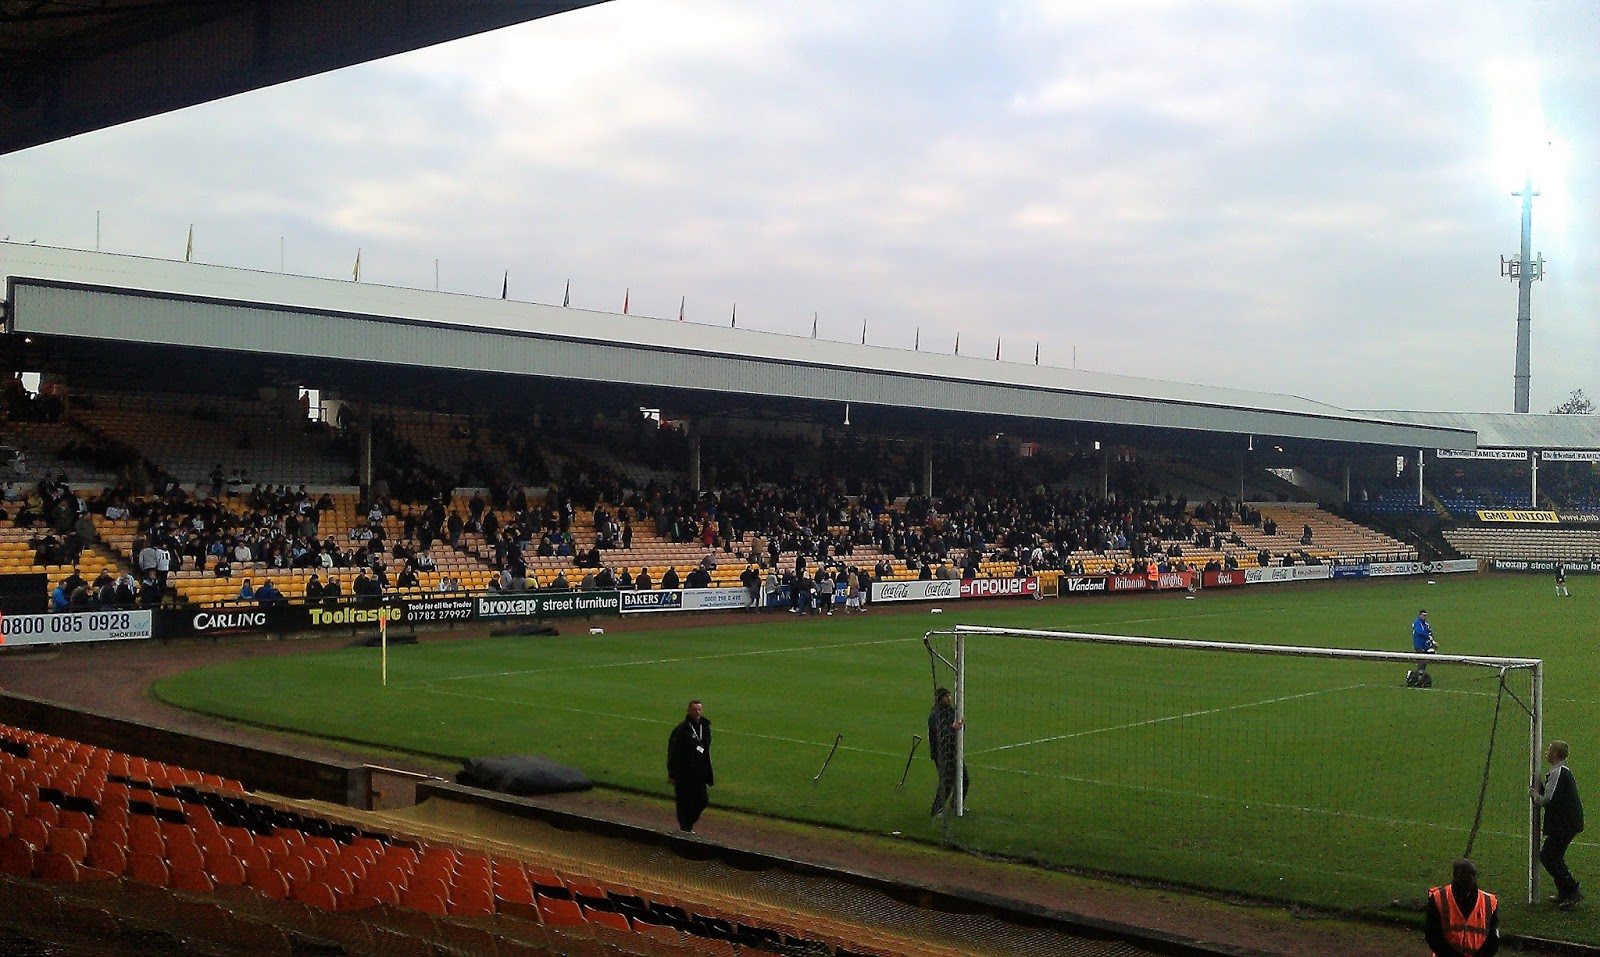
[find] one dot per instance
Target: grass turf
(1321, 782)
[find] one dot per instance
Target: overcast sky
(1298, 197)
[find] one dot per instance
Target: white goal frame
(1535, 666)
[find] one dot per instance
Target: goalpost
(1281, 771)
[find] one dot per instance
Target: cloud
(1295, 198)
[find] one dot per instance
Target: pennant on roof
(681, 303)
(625, 294)
(863, 332)
(1035, 353)
(733, 323)
(566, 297)
(505, 284)
(188, 248)
(958, 343)
(917, 343)
(355, 274)
(813, 325)
(997, 348)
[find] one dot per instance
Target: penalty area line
(1162, 720)
(429, 682)
(720, 729)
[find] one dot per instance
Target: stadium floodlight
(1247, 766)
(1525, 152)
(1522, 269)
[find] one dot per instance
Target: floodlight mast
(1523, 270)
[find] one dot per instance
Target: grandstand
(1521, 544)
(174, 436)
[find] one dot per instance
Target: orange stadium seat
(425, 902)
(16, 857)
(149, 869)
(269, 881)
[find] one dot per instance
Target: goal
(1282, 772)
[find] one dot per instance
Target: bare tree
(1577, 404)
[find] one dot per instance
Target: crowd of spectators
(820, 524)
(272, 528)
(790, 509)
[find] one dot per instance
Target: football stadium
(412, 638)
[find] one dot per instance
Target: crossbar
(1299, 651)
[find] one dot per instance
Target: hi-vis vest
(1465, 933)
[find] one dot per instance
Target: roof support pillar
(927, 466)
(364, 443)
(1533, 472)
(694, 458)
(1420, 500)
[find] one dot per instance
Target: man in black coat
(943, 723)
(689, 765)
(1563, 821)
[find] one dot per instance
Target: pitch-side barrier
(367, 614)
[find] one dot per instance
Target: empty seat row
(74, 813)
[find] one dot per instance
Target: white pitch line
(1244, 802)
(984, 767)
(656, 721)
(1163, 720)
(654, 661)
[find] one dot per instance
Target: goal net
(1288, 773)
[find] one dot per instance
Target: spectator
(127, 591)
(365, 586)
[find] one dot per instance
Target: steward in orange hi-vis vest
(1462, 920)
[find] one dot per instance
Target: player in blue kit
(1423, 644)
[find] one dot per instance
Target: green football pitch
(1319, 781)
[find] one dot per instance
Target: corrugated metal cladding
(104, 314)
(1511, 430)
